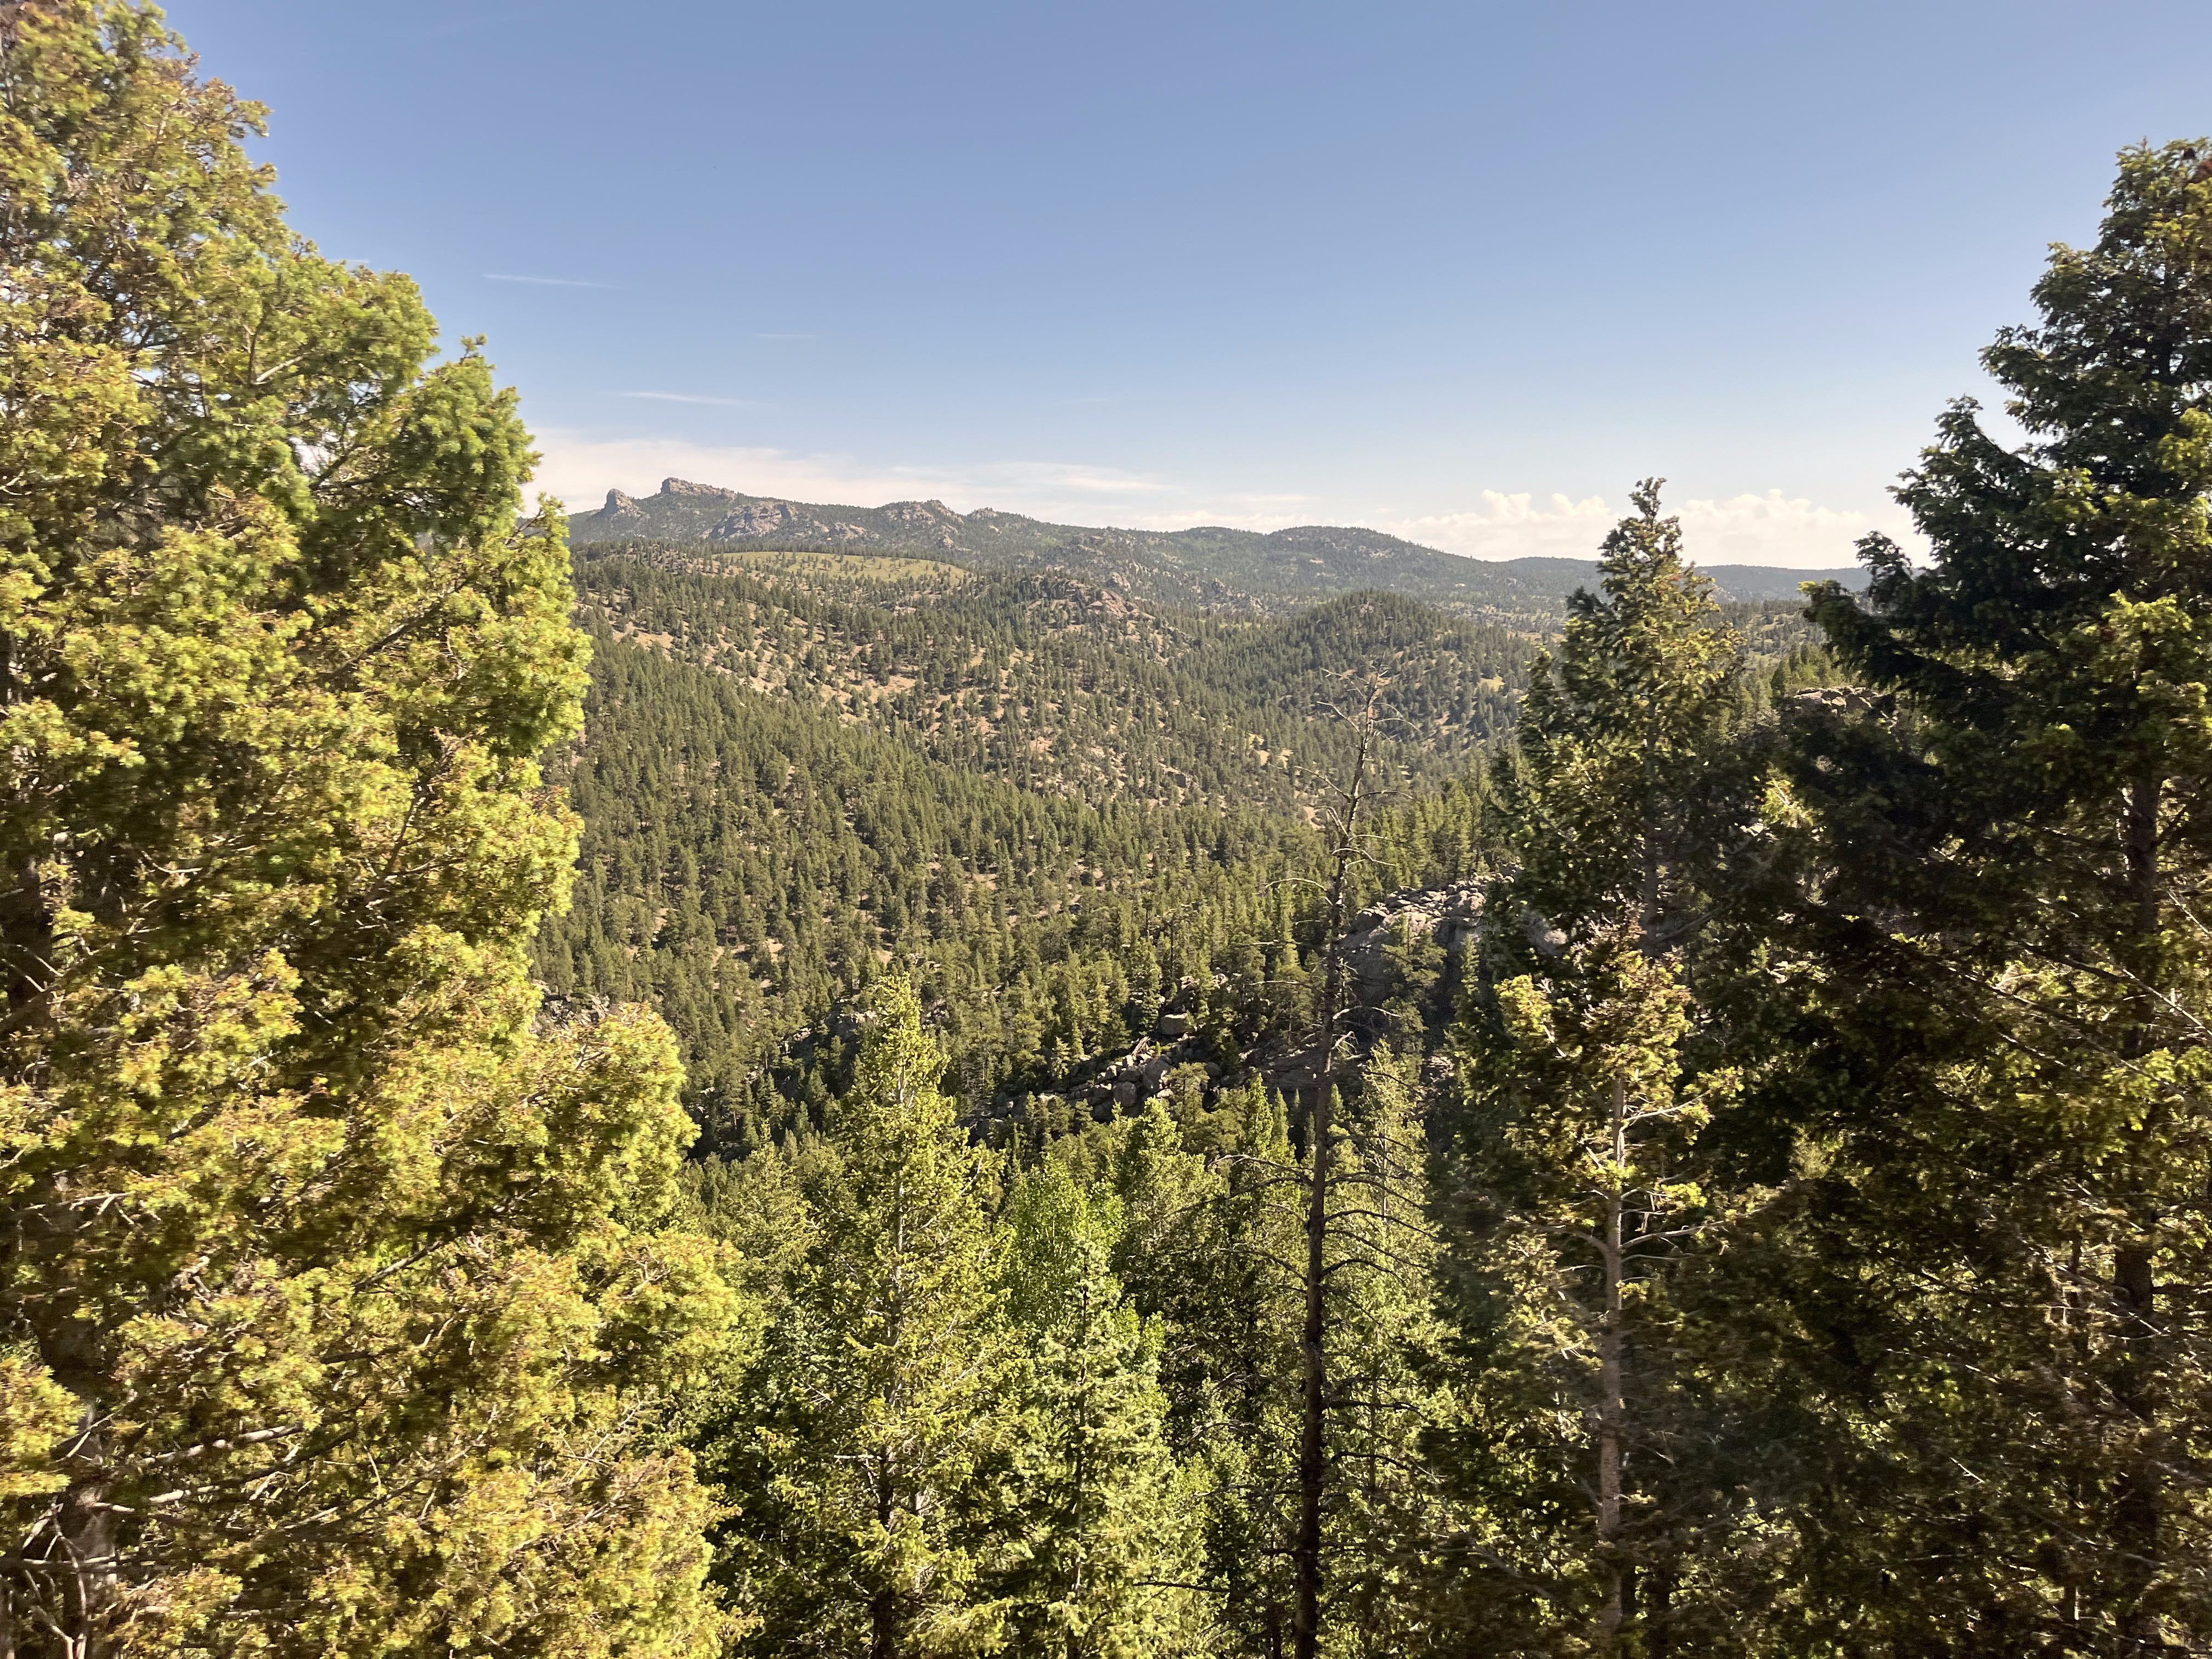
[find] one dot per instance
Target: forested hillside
(1217, 569)
(689, 1096)
(1058, 807)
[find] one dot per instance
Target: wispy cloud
(541, 282)
(1748, 529)
(1086, 481)
(783, 337)
(693, 398)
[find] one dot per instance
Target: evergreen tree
(1585, 1161)
(1389, 1507)
(1582, 1102)
(1211, 1249)
(862, 1462)
(2004, 908)
(339, 1292)
(1100, 1521)
(1600, 809)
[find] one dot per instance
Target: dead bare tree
(1346, 805)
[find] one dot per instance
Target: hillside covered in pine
(1229, 572)
(1057, 807)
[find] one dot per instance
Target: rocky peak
(928, 513)
(618, 502)
(685, 487)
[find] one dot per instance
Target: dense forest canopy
(977, 1087)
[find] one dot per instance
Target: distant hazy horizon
(1576, 527)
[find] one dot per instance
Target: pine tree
(862, 1462)
(1601, 808)
(2009, 912)
(1389, 1508)
(1581, 1103)
(1101, 1523)
(1210, 1249)
(1586, 1161)
(340, 1293)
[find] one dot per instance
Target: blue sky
(1463, 272)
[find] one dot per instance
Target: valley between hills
(1068, 778)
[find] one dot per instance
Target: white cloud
(691, 397)
(1768, 529)
(541, 282)
(1512, 527)
(1776, 529)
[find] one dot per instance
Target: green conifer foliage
(1615, 736)
(338, 1293)
(2008, 922)
(862, 1457)
(1389, 1505)
(1585, 1158)
(1210, 1249)
(1100, 1535)
(1582, 1107)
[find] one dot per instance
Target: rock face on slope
(1450, 916)
(1210, 566)
(1840, 702)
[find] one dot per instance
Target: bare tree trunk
(1312, 1466)
(1313, 1463)
(1612, 1404)
(2139, 1514)
(88, 1526)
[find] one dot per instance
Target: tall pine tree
(1604, 809)
(2008, 909)
(1583, 1105)
(1100, 1527)
(862, 1458)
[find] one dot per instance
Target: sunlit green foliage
(339, 1292)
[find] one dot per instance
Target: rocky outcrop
(925, 513)
(1208, 565)
(1195, 1045)
(753, 519)
(1842, 702)
(1450, 916)
(684, 488)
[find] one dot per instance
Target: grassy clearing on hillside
(884, 570)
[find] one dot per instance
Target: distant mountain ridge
(1210, 566)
